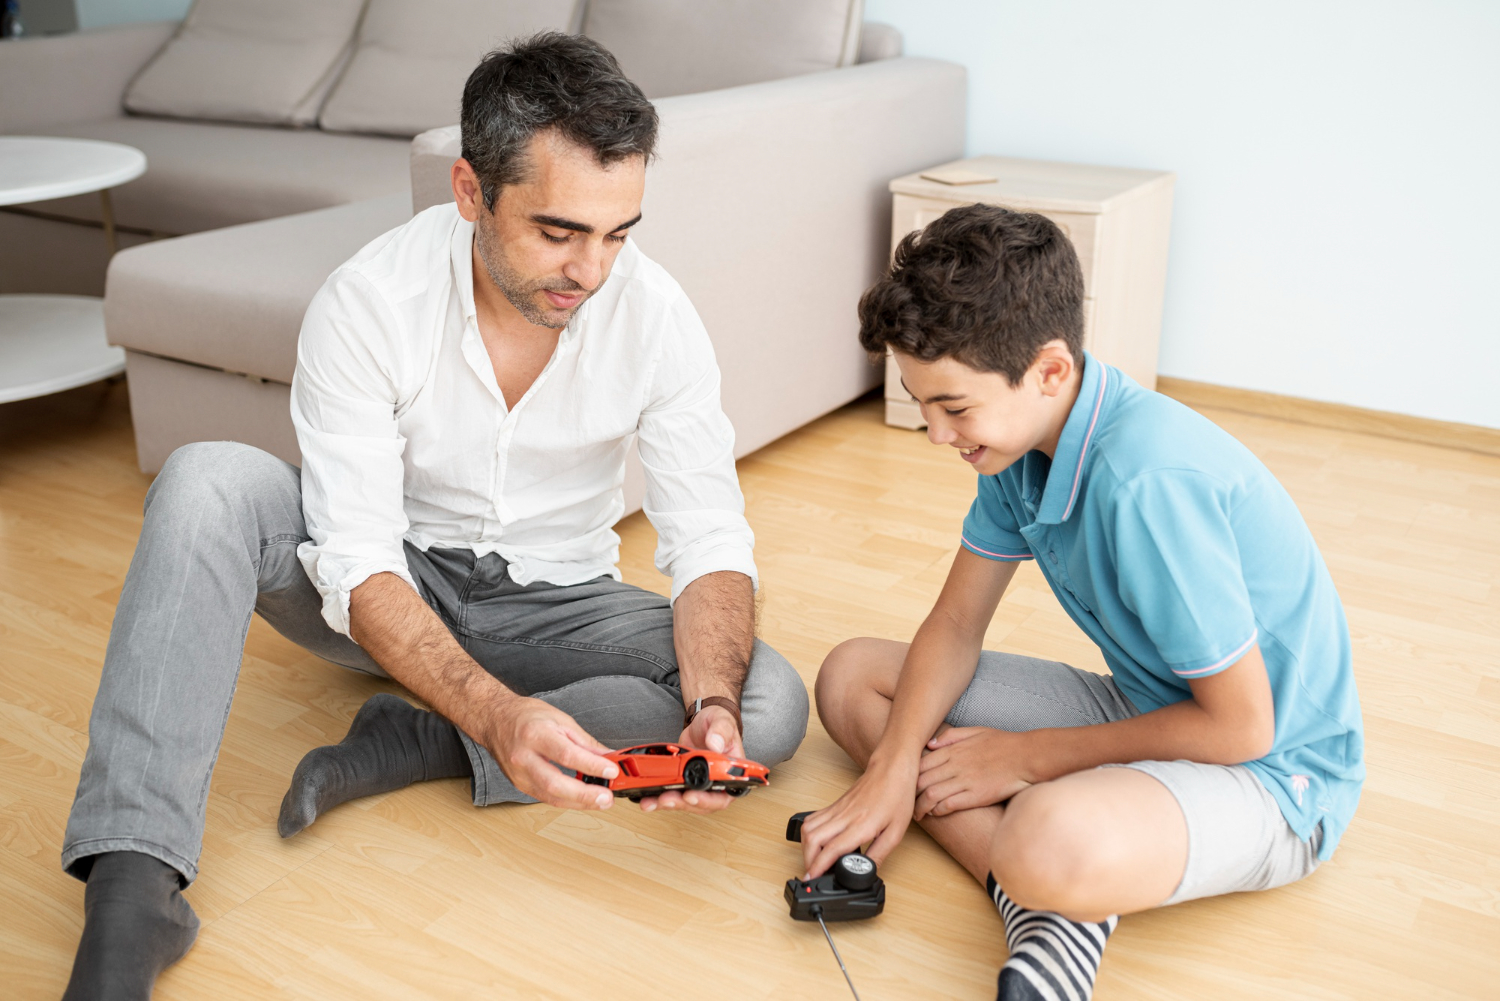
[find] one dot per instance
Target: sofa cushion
(411, 60)
(266, 61)
(234, 298)
(201, 176)
(687, 46)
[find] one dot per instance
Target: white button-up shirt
(405, 434)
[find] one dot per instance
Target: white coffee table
(49, 343)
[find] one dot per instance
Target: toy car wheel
(634, 797)
(695, 774)
(736, 790)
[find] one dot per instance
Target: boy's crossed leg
(1063, 858)
(1088, 845)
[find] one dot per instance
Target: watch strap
(700, 704)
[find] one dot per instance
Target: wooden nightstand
(1118, 220)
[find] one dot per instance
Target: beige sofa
(767, 202)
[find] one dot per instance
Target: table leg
(107, 212)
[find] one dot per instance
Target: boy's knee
(775, 707)
(1044, 851)
(841, 670)
(846, 673)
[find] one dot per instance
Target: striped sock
(1051, 958)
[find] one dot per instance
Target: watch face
(858, 864)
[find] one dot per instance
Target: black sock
(391, 744)
(135, 924)
(1050, 956)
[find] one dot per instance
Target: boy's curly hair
(983, 285)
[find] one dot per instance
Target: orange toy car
(652, 769)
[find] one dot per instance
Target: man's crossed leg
(223, 523)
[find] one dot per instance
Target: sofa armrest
(73, 78)
(432, 156)
(878, 40)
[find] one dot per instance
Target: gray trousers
(223, 523)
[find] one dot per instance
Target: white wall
(100, 13)
(1337, 223)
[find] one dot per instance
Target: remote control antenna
(818, 913)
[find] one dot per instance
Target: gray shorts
(1237, 836)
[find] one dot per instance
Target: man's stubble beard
(520, 292)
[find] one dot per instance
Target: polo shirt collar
(1065, 477)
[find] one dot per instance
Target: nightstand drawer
(909, 212)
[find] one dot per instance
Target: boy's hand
(874, 811)
(969, 767)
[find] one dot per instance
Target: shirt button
(1052, 557)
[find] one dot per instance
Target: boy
(1231, 704)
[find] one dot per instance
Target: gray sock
(136, 924)
(391, 744)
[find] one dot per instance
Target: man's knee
(218, 473)
(775, 709)
(1046, 850)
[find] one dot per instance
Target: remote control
(850, 890)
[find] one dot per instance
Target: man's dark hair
(983, 285)
(550, 81)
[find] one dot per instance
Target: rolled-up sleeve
(344, 398)
(687, 448)
(991, 528)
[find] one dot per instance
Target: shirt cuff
(729, 557)
(1219, 664)
(336, 594)
(990, 551)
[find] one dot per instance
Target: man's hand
(526, 736)
(714, 729)
(967, 768)
(875, 811)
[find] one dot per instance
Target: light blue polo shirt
(1175, 549)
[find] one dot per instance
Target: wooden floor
(416, 894)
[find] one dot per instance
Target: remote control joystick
(855, 872)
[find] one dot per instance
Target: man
(466, 390)
(1231, 701)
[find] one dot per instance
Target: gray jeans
(222, 527)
